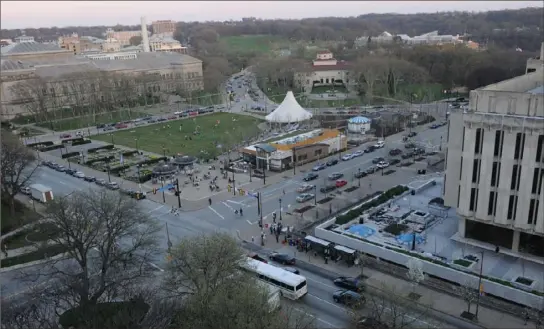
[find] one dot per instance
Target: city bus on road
(292, 286)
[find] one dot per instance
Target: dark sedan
(282, 258)
(349, 298)
(327, 189)
(332, 162)
(89, 179)
(348, 283)
(360, 174)
(310, 176)
(370, 149)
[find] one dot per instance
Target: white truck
(41, 193)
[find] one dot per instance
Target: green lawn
(204, 99)
(329, 89)
(253, 43)
(232, 129)
(90, 120)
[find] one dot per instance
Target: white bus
(291, 285)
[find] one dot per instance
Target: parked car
(65, 135)
(121, 126)
(79, 174)
(292, 270)
(332, 162)
(382, 164)
(310, 176)
(358, 153)
(360, 174)
(327, 188)
(370, 323)
(109, 128)
(336, 176)
(319, 166)
(60, 168)
(257, 257)
(305, 188)
(25, 190)
(151, 121)
(112, 186)
(100, 126)
(70, 172)
(282, 258)
(349, 283)
(348, 298)
(101, 182)
(412, 134)
(395, 152)
(305, 197)
(377, 160)
(341, 182)
(379, 144)
(370, 149)
(370, 170)
(89, 179)
(394, 162)
(347, 157)
(172, 117)
(409, 145)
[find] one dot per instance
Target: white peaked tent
(289, 111)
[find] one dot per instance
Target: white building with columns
(325, 70)
(495, 165)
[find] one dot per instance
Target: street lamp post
(111, 135)
(233, 183)
(280, 209)
(479, 284)
(136, 139)
(315, 195)
(359, 176)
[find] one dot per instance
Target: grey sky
(35, 14)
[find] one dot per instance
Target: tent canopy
(289, 111)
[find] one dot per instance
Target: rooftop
(537, 91)
(527, 83)
(30, 47)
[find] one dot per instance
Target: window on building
(517, 149)
(478, 143)
(458, 195)
(510, 208)
(498, 143)
(461, 169)
(514, 176)
(475, 170)
(534, 183)
(318, 152)
(540, 149)
(491, 203)
(531, 216)
(494, 169)
(473, 199)
(518, 179)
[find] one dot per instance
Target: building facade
(325, 70)
(159, 43)
(495, 165)
(123, 37)
(534, 64)
(29, 87)
(166, 27)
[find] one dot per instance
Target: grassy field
(253, 43)
(90, 120)
(216, 129)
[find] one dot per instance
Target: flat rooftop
(537, 91)
(527, 83)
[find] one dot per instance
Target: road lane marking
(250, 223)
(217, 213)
(227, 205)
(323, 284)
(238, 203)
(159, 207)
(315, 317)
(327, 302)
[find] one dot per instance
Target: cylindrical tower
(145, 37)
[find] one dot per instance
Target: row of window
(499, 145)
(512, 206)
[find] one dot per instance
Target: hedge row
(85, 141)
(70, 154)
(39, 254)
(104, 158)
(47, 143)
(386, 196)
(77, 139)
(129, 153)
(52, 147)
(105, 147)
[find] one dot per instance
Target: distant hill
(509, 29)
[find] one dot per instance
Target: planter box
(463, 264)
(524, 283)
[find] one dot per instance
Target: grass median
(42, 253)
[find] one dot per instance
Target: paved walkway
(438, 301)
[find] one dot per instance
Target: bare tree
(32, 95)
(369, 71)
(537, 316)
(415, 272)
(16, 167)
(468, 293)
(109, 242)
(389, 307)
(404, 71)
(205, 272)
(135, 40)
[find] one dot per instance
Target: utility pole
(168, 243)
(178, 192)
(162, 189)
(233, 184)
(264, 175)
(294, 162)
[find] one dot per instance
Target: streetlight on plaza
(315, 195)
(359, 176)
(136, 140)
(280, 209)
(111, 135)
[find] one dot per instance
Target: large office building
(495, 165)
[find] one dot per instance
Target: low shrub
(105, 147)
(82, 142)
(153, 160)
(70, 154)
(66, 141)
(105, 158)
(129, 153)
(462, 262)
(396, 229)
(47, 143)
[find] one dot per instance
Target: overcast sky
(35, 14)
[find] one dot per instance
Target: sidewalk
(438, 301)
